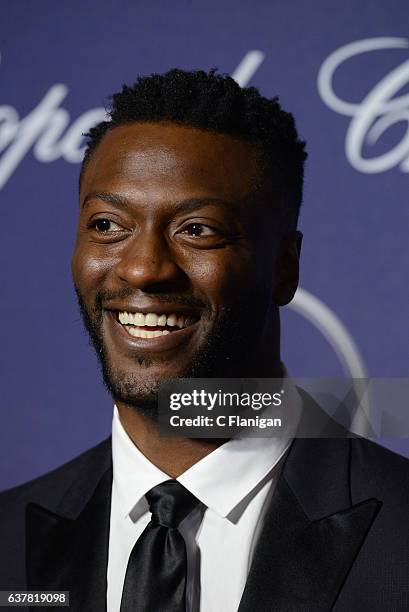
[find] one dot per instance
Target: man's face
(174, 258)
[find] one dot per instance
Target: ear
(286, 271)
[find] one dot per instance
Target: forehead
(152, 157)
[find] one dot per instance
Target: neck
(171, 455)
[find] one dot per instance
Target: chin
(137, 390)
(138, 385)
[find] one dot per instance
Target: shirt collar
(221, 480)
(133, 474)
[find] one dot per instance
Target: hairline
(262, 176)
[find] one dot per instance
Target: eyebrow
(182, 206)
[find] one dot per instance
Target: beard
(219, 355)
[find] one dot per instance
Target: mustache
(103, 296)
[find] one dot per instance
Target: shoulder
(378, 471)
(60, 491)
(51, 487)
(372, 453)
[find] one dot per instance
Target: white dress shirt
(234, 483)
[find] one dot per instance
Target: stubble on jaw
(215, 358)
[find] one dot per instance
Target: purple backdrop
(341, 68)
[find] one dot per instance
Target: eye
(105, 226)
(198, 230)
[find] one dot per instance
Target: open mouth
(152, 325)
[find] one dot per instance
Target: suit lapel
(67, 549)
(311, 535)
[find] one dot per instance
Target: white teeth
(122, 318)
(142, 333)
(151, 319)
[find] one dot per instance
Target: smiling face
(175, 256)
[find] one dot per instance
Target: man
(187, 246)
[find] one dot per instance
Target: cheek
(224, 275)
(88, 270)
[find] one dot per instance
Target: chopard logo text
(379, 110)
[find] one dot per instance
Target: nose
(147, 263)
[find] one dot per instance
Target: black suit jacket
(335, 536)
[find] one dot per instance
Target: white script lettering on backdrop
(378, 111)
(47, 130)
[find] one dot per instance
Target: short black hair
(215, 102)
